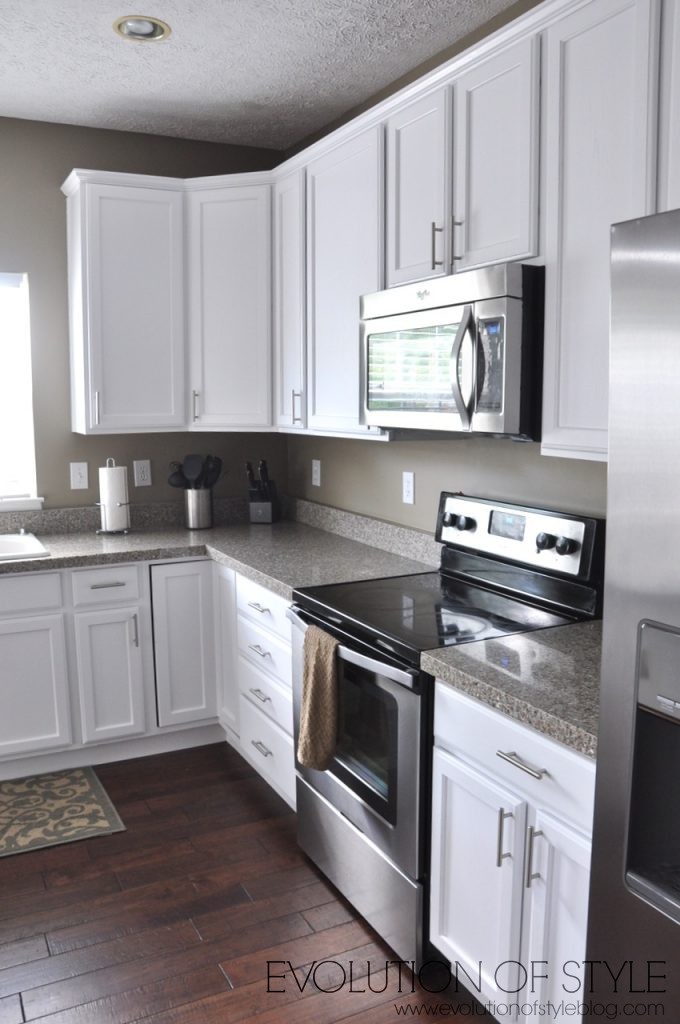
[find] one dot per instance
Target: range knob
(566, 546)
(449, 519)
(466, 523)
(545, 541)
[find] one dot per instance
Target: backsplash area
(366, 476)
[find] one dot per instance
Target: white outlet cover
(408, 487)
(316, 472)
(79, 476)
(142, 472)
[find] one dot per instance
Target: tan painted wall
(365, 476)
(36, 158)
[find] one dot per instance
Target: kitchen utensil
(213, 471)
(264, 479)
(192, 467)
(177, 479)
(252, 484)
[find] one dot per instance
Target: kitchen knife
(264, 479)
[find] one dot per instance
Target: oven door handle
(405, 677)
(467, 325)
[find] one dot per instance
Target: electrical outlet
(79, 481)
(316, 472)
(142, 472)
(408, 488)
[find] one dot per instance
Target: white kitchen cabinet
(126, 296)
(35, 713)
(477, 858)
(183, 642)
(418, 229)
(511, 827)
(600, 116)
(224, 589)
(110, 673)
(669, 113)
(289, 301)
(344, 261)
(495, 146)
(229, 298)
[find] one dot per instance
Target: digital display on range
(507, 524)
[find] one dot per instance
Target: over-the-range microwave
(461, 353)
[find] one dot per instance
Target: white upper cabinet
(126, 305)
(669, 120)
(344, 261)
(600, 150)
(229, 307)
(289, 301)
(496, 143)
(418, 190)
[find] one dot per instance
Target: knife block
(264, 511)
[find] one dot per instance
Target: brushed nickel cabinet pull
(296, 394)
(265, 751)
(500, 856)
(259, 650)
(262, 697)
(106, 586)
(259, 607)
(513, 758)
(135, 635)
(532, 833)
(435, 262)
(455, 224)
(194, 397)
(96, 408)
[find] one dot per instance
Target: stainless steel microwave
(459, 353)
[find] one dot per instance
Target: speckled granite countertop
(548, 679)
(281, 557)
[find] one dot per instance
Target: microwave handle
(467, 322)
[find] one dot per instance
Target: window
(17, 441)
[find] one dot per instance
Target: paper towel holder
(110, 464)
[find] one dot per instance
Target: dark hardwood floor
(174, 921)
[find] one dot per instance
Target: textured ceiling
(257, 72)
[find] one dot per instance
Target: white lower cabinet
(224, 592)
(183, 642)
(510, 861)
(35, 713)
(110, 673)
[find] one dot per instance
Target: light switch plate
(408, 488)
(142, 472)
(316, 472)
(79, 477)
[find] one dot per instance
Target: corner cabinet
(511, 836)
(600, 106)
(344, 261)
(126, 298)
(229, 280)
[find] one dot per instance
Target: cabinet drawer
(268, 748)
(266, 694)
(262, 606)
(105, 586)
(30, 593)
(262, 648)
(478, 733)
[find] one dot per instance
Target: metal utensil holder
(198, 508)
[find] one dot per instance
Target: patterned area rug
(60, 807)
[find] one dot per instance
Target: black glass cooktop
(423, 611)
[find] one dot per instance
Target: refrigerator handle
(467, 323)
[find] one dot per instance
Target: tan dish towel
(319, 709)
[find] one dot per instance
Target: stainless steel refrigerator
(634, 924)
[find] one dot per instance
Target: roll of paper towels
(113, 497)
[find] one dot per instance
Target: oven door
(375, 778)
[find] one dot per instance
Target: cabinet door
(229, 307)
(495, 210)
(33, 685)
(134, 311)
(418, 201)
(183, 642)
(289, 301)
(477, 861)
(224, 580)
(110, 673)
(344, 261)
(669, 119)
(600, 119)
(556, 908)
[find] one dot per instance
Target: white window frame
(28, 501)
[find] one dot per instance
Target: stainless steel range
(505, 569)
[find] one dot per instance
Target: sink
(20, 545)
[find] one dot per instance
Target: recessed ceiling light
(141, 28)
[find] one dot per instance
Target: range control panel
(541, 539)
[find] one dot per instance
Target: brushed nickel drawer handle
(532, 833)
(259, 608)
(106, 586)
(135, 635)
(435, 262)
(194, 400)
(500, 856)
(513, 758)
(262, 697)
(259, 650)
(296, 394)
(259, 746)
